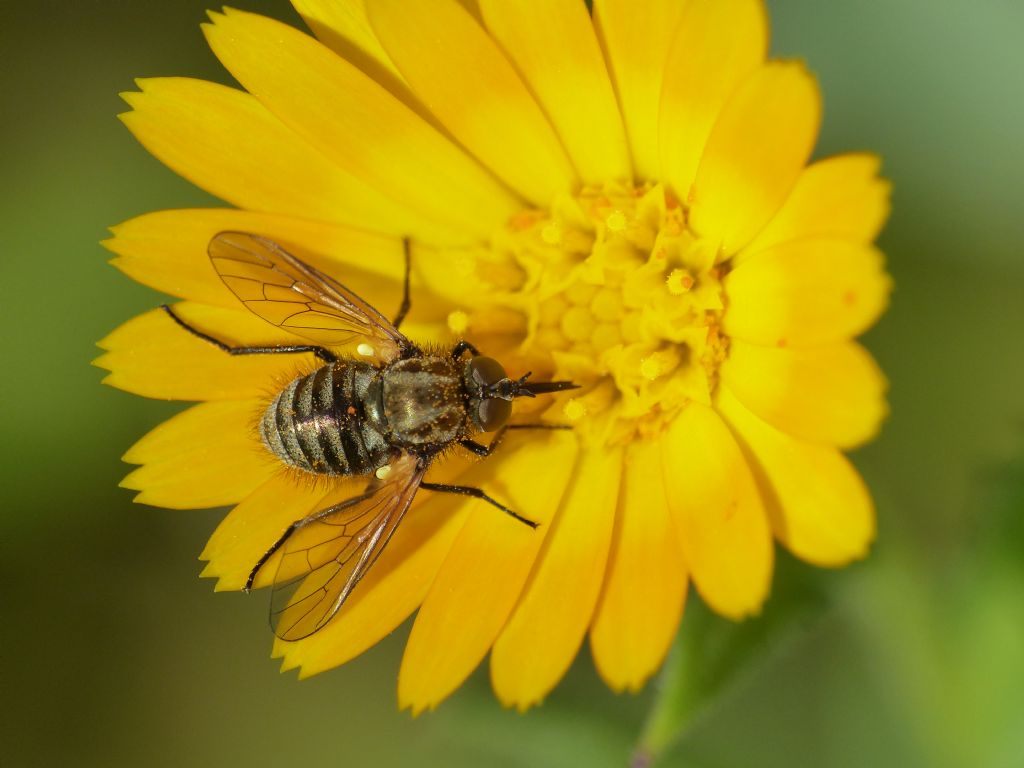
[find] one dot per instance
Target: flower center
(619, 297)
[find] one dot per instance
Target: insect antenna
(507, 388)
(544, 387)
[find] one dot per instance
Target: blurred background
(115, 653)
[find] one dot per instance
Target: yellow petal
(547, 628)
(358, 124)
(473, 8)
(719, 43)
(718, 513)
(818, 505)
(151, 356)
(833, 395)
(343, 26)
(207, 456)
(462, 76)
(636, 44)
(167, 250)
(394, 587)
(645, 584)
(553, 46)
(229, 144)
(806, 292)
(484, 573)
(839, 198)
(755, 153)
(252, 527)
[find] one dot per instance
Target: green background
(115, 653)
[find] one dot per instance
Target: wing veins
(305, 602)
(241, 256)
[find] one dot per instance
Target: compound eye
(485, 371)
(492, 413)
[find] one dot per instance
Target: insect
(384, 419)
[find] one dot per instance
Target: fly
(385, 419)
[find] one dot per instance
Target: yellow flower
(620, 199)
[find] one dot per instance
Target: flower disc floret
(620, 296)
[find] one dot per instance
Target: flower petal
(806, 292)
(636, 46)
(368, 132)
(151, 356)
(818, 505)
(252, 527)
(645, 584)
(465, 80)
(342, 25)
(482, 577)
(718, 44)
(839, 198)
(167, 250)
(558, 602)
(833, 395)
(394, 587)
(755, 154)
(226, 142)
(207, 456)
(718, 511)
(553, 46)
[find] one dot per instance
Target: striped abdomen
(318, 423)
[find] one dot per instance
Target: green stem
(712, 656)
(675, 704)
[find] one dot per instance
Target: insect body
(321, 423)
(351, 417)
(386, 420)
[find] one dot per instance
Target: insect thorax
(423, 401)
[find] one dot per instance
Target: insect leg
(476, 493)
(282, 349)
(312, 518)
(403, 308)
(486, 450)
(270, 553)
(463, 346)
(478, 448)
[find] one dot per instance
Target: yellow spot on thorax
(383, 472)
(365, 350)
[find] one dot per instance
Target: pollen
(574, 410)
(458, 322)
(650, 368)
(383, 472)
(365, 350)
(622, 298)
(679, 281)
(616, 222)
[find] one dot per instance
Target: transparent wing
(331, 550)
(294, 296)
